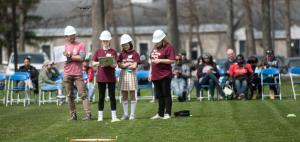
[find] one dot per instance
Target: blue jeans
(90, 90)
(198, 87)
(211, 80)
(241, 86)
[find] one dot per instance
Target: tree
(173, 32)
(194, 22)
(132, 22)
(250, 43)
(98, 14)
(230, 24)
(287, 19)
(267, 42)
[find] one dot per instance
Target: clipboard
(106, 61)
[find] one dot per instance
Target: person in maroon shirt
(106, 76)
(128, 61)
(162, 56)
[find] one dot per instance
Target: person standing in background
(106, 76)
(75, 53)
(162, 56)
(128, 61)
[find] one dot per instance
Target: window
(242, 47)
(295, 45)
(144, 49)
(194, 52)
(46, 49)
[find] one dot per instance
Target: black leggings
(163, 91)
(111, 93)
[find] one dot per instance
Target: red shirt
(160, 71)
(131, 56)
(236, 70)
(74, 68)
(105, 74)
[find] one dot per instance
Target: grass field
(217, 121)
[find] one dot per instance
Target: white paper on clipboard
(58, 54)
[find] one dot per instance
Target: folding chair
(3, 86)
(204, 87)
(273, 74)
(143, 75)
(14, 88)
(294, 74)
(43, 99)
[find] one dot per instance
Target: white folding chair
(3, 86)
(294, 74)
(274, 75)
(13, 88)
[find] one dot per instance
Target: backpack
(182, 113)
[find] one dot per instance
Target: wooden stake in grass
(95, 140)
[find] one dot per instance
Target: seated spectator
(183, 70)
(194, 77)
(46, 82)
(34, 75)
(178, 85)
(88, 76)
(208, 74)
(240, 73)
(254, 81)
(271, 61)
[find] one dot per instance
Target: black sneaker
(73, 116)
(88, 116)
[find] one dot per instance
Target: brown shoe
(88, 116)
(73, 117)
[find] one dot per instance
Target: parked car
(37, 60)
(291, 62)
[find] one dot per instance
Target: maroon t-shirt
(160, 71)
(105, 74)
(131, 56)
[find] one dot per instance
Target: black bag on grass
(182, 113)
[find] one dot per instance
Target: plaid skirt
(128, 81)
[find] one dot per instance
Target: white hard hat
(105, 35)
(125, 38)
(158, 36)
(70, 30)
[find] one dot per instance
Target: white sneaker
(156, 117)
(61, 96)
(124, 117)
(100, 119)
(115, 120)
(166, 116)
(131, 117)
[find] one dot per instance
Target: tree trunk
(287, 22)
(267, 42)
(173, 32)
(250, 43)
(14, 33)
(97, 22)
(22, 26)
(132, 23)
(230, 31)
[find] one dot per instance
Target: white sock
(113, 114)
(133, 106)
(125, 108)
(100, 115)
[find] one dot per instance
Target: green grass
(216, 121)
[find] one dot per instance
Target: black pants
(163, 91)
(111, 93)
